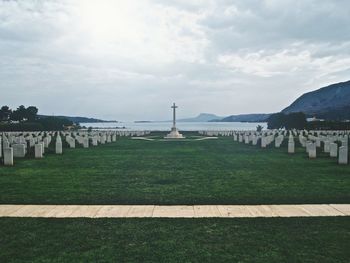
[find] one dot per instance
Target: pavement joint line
(331, 205)
(306, 211)
(153, 210)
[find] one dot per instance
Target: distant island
(208, 117)
(203, 117)
(255, 117)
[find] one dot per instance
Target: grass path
(175, 240)
(175, 173)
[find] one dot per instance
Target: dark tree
(295, 120)
(259, 128)
(276, 121)
(5, 113)
(19, 114)
(54, 123)
(31, 113)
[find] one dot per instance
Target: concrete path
(181, 211)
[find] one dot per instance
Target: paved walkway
(196, 211)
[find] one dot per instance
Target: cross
(174, 114)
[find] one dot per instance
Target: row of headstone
(18, 144)
(310, 140)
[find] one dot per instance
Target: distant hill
(203, 117)
(77, 119)
(258, 117)
(331, 102)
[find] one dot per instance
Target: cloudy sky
(130, 59)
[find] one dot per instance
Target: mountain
(331, 102)
(203, 117)
(77, 119)
(258, 117)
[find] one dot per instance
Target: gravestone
(38, 150)
(86, 142)
(312, 150)
(291, 145)
(343, 155)
(46, 142)
(333, 150)
(326, 147)
(263, 142)
(255, 140)
(43, 146)
(6, 143)
(8, 156)
(31, 142)
(19, 150)
(58, 145)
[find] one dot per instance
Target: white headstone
(58, 146)
(19, 150)
(291, 145)
(343, 155)
(86, 142)
(46, 142)
(312, 150)
(333, 150)
(38, 150)
(8, 156)
(6, 144)
(326, 147)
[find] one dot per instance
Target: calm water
(182, 126)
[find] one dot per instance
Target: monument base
(174, 134)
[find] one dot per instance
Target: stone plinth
(174, 134)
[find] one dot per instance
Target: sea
(182, 126)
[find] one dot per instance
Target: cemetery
(238, 167)
(99, 164)
(182, 185)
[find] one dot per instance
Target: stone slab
(173, 211)
(345, 209)
(206, 211)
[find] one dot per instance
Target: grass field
(190, 172)
(175, 240)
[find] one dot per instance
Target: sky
(130, 60)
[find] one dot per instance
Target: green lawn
(175, 240)
(190, 172)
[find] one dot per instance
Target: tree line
(27, 119)
(20, 114)
(289, 121)
(297, 120)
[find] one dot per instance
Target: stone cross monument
(174, 107)
(174, 134)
